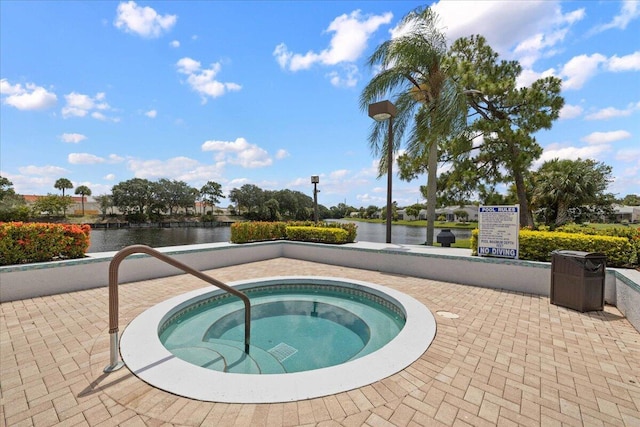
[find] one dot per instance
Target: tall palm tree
(63, 184)
(427, 98)
(83, 190)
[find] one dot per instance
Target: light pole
(380, 111)
(315, 180)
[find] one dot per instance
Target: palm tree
(412, 72)
(562, 185)
(62, 184)
(84, 191)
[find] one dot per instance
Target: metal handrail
(114, 362)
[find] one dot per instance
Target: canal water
(104, 240)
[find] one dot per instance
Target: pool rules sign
(498, 234)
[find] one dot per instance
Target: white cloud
(348, 77)
(204, 81)
(597, 138)
(519, 21)
(629, 155)
(175, 43)
(630, 10)
(367, 199)
(239, 152)
(611, 112)
(579, 69)
(238, 182)
(73, 138)
(84, 159)
(180, 168)
(110, 177)
(144, 21)
(570, 111)
(151, 114)
(350, 36)
(625, 63)
(282, 153)
(114, 158)
(339, 174)
(28, 97)
(528, 76)
(42, 170)
(81, 105)
(543, 43)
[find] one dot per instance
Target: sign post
(498, 234)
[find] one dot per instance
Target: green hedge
(538, 245)
(349, 227)
(317, 234)
(245, 232)
(630, 233)
(22, 242)
(326, 232)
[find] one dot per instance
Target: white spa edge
(146, 357)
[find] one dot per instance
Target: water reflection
(116, 239)
(400, 234)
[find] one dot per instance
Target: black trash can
(577, 280)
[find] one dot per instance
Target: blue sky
(266, 93)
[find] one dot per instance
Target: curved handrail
(114, 265)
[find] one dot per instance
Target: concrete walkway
(508, 359)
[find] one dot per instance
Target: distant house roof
(31, 198)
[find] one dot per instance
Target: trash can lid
(579, 254)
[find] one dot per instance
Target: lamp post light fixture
(380, 111)
(315, 180)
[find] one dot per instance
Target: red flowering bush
(24, 242)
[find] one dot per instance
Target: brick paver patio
(508, 359)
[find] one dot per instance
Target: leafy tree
(499, 146)
(133, 196)
(295, 204)
(462, 214)
(414, 73)
(563, 187)
(371, 211)
(6, 188)
(105, 202)
(211, 193)
(342, 210)
(631, 200)
(249, 196)
(413, 210)
(270, 210)
(172, 194)
(12, 205)
(83, 190)
(51, 204)
(394, 212)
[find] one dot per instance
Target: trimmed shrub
(538, 245)
(245, 232)
(349, 227)
(317, 234)
(630, 233)
(38, 242)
